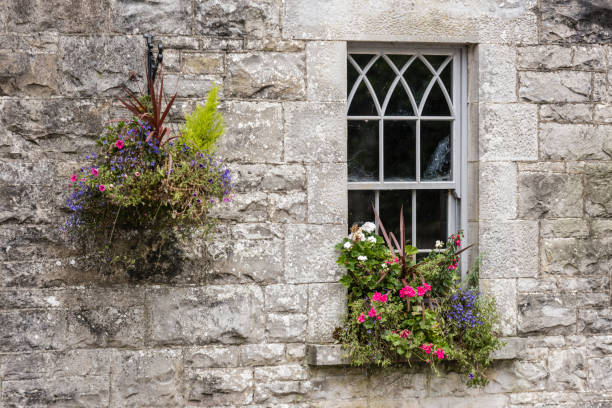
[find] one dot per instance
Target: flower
(405, 333)
(94, 172)
(111, 186)
(439, 244)
(421, 291)
(357, 236)
(407, 291)
(427, 286)
(119, 144)
(362, 258)
(137, 174)
(426, 348)
(372, 312)
(371, 239)
(439, 353)
(471, 376)
(361, 318)
(384, 266)
(378, 297)
(73, 178)
(378, 317)
(102, 187)
(368, 227)
(348, 245)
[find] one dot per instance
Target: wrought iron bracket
(153, 63)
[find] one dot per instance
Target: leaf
(411, 250)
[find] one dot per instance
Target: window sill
(332, 354)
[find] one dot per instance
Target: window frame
(457, 206)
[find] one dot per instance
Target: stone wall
(231, 327)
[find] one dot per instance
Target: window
(406, 115)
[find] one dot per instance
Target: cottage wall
(231, 326)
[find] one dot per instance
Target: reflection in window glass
(432, 217)
(360, 207)
(436, 150)
(391, 201)
(400, 150)
(362, 150)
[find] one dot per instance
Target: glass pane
(399, 104)
(418, 77)
(390, 203)
(362, 103)
(381, 76)
(400, 150)
(360, 207)
(352, 76)
(399, 60)
(362, 150)
(436, 104)
(446, 77)
(436, 150)
(436, 60)
(431, 217)
(362, 59)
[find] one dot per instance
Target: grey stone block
(22, 74)
(286, 328)
(517, 376)
(237, 18)
(599, 373)
(498, 121)
(497, 191)
(597, 190)
(27, 330)
(574, 142)
(288, 207)
(572, 113)
(503, 291)
(327, 194)
(270, 75)
(546, 314)
(211, 357)
(315, 132)
(575, 257)
(326, 71)
(562, 86)
(544, 57)
(286, 298)
(595, 321)
(262, 177)
(568, 370)
(497, 73)
(225, 314)
(576, 21)
(203, 63)
(550, 195)
(262, 354)
(326, 311)
(151, 16)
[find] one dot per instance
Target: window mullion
(414, 218)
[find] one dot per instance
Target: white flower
(439, 244)
(362, 258)
(372, 239)
(347, 245)
(357, 236)
(384, 266)
(368, 227)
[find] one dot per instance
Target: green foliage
(420, 318)
(205, 125)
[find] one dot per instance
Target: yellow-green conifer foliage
(205, 125)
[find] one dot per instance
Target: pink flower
(427, 286)
(361, 318)
(440, 353)
(73, 178)
(378, 297)
(421, 290)
(383, 298)
(137, 174)
(372, 312)
(101, 187)
(83, 179)
(119, 143)
(378, 317)
(405, 333)
(426, 348)
(407, 291)
(94, 171)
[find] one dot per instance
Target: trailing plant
(145, 178)
(400, 310)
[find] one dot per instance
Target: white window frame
(458, 186)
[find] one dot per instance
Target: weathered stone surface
(261, 354)
(504, 293)
(287, 328)
(253, 133)
(570, 256)
(326, 71)
(116, 58)
(326, 310)
(151, 16)
(88, 16)
(237, 18)
(589, 57)
(564, 228)
(203, 63)
(497, 191)
(545, 314)
(286, 298)
(576, 21)
(315, 132)
(562, 86)
(211, 356)
(597, 321)
(327, 195)
(215, 386)
(568, 370)
(598, 191)
(149, 378)
(544, 57)
(603, 114)
(599, 373)
(192, 86)
(270, 75)
(246, 261)
(252, 207)
(257, 231)
(574, 113)
(33, 43)
(273, 44)
(601, 228)
(518, 376)
(550, 195)
(310, 254)
(26, 330)
(508, 132)
(212, 314)
(260, 177)
(87, 392)
(326, 355)
(497, 73)
(22, 74)
(575, 142)
(291, 207)
(512, 248)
